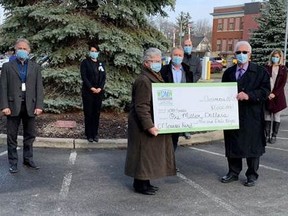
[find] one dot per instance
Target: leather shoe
(13, 168)
(250, 183)
(153, 188)
(90, 140)
(31, 165)
(96, 139)
(145, 191)
(229, 178)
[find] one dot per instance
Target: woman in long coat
(277, 100)
(149, 155)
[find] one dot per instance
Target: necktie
(240, 73)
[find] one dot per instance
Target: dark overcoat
(167, 74)
(11, 93)
(249, 139)
(148, 157)
(279, 102)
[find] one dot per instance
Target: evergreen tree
(62, 29)
(271, 32)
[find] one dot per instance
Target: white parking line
(208, 194)
(3, 153)
(68, 176)
(222, 155)
(280, 149)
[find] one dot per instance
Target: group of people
(260, 97)
(151, 155)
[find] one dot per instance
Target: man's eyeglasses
(244, 52)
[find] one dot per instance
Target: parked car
(216, 67)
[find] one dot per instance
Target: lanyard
(22, 71)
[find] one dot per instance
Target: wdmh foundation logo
(164, 97)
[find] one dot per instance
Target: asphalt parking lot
(91, 182)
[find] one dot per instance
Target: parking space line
(3, 153)
(68, 176)
(280, 149)
(222, 155)
(208, 194)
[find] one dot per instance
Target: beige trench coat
(148, 157)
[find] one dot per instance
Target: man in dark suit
(176, 72)
(249, 140)
(21, 99)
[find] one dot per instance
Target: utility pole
(180, 38)
(286, 34)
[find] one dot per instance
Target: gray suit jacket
(11, 92)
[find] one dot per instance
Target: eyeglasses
(244, 52)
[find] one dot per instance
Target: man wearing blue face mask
(176, 72)
(93, 76)
(21, 100)
(195, 66)
(249, 140)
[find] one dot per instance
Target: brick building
(231, 24)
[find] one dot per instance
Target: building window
(230, 45)
(218, 48)
(220, 27)
(241, 23)
(231, 26)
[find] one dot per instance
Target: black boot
(275, 131)
(268, 131)
(140, 186)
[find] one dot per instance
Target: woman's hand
(271, 96)
(153, 131)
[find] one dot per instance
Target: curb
(68, 143)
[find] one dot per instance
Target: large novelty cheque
(187, 107)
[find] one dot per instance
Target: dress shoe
(90, 140)
(31, 165)
(153, 188)
(96, 139)
(145, 191)
(250, 183)
(13, 168)
(229, 178)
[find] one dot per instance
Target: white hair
(151, 52)
(243, 43)
(22, 40)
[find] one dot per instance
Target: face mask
(93, 55)
(177, 60)
(22, 54)
(156, 67)
(275, 60)
(188, 49)
(242, 58)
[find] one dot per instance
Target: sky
(198, 9)
(201, 9)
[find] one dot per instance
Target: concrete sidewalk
(67, 143)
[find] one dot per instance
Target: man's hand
(38, 111)
(153, 131)
(242, 96)
(6, 111)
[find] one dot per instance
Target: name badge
(23, 87)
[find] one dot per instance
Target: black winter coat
(249, 139)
